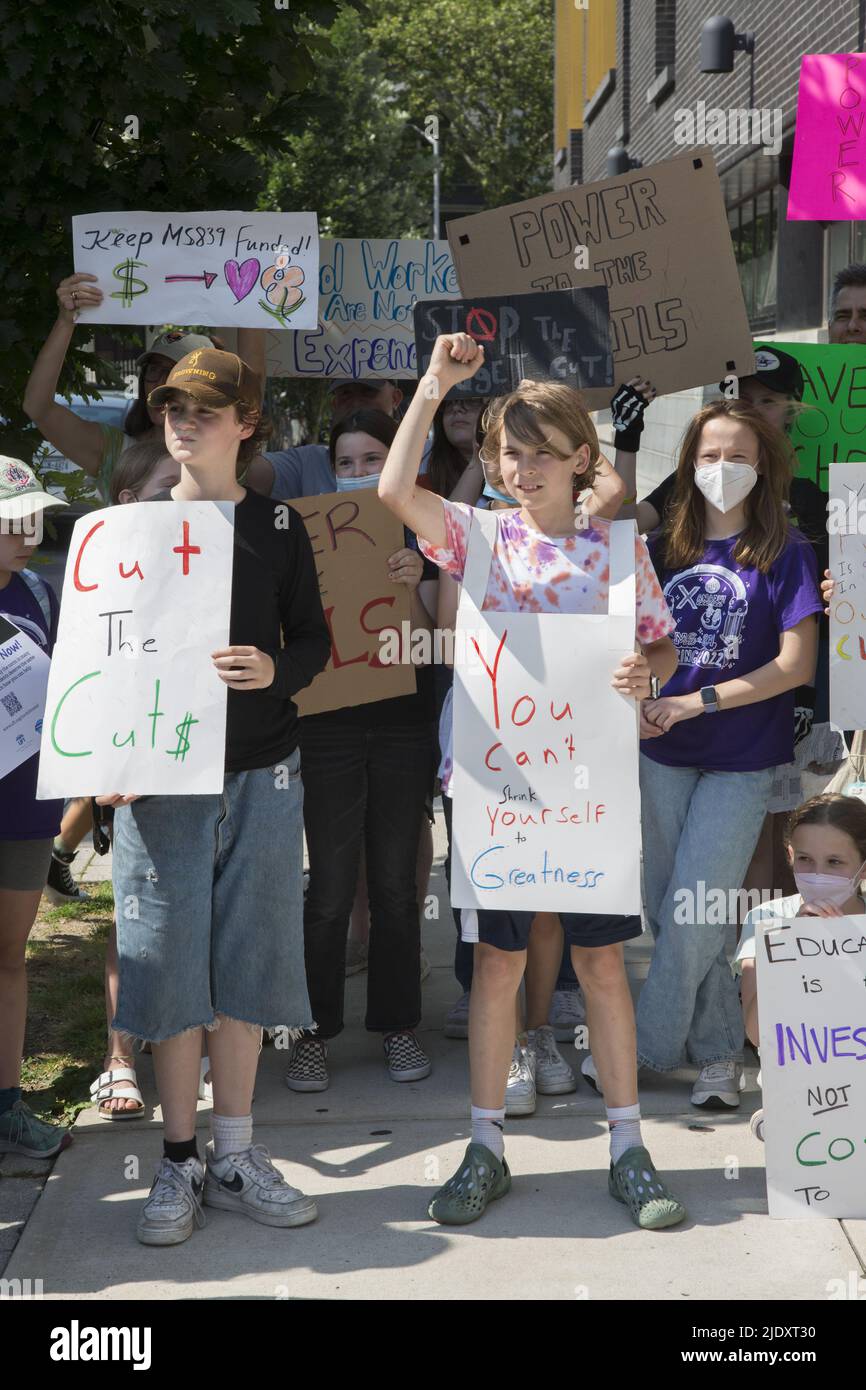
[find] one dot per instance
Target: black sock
(178, 1153)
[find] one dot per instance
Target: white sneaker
(520, 1087)
(756, 1125)
(249, 1182)
(589, 1073)
(718, 1086)
(553, 1075)
(457, 1019)
(567, 1012)
(173, 1208)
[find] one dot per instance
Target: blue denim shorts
(209, 898)
(509, 931)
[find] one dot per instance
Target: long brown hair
(766, 532)
(845, 813)
(446, 464)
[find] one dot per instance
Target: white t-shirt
(767, 912)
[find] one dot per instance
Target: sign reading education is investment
(245, 269)
(560, 335)
(828, 174)
(658, 238)
(812, 1012)
(134, 703)
(352, 536)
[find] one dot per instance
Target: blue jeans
(209, 896)
(699, 833)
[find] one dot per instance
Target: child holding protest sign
(825, 840)
(368, 770)
(27, 826)
(215, 938)
(545, 448)
(741, 583)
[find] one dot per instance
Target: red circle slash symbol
(481, 325)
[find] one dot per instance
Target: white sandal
(105, 1088)
(205, 1088)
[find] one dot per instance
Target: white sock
(624, 1124)
(231, 1134)
(487, 1127)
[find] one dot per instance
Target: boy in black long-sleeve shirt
(209, 888)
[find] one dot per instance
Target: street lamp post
(434, 141)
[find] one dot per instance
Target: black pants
(364, 787)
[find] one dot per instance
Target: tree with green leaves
(212, 91)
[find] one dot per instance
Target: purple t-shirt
(22, 817)
(729, 621)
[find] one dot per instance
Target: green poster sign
(830, 427)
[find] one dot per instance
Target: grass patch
(65, 1039)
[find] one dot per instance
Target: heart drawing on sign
(241, 278)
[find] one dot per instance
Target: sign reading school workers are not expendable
(558, 335)
(247, 269)
(135, 704)
(658, 236)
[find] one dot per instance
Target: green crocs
(634, 1181)
(22, 1132)
(480, 1179)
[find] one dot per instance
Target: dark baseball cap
(776, 370)
(212, 378)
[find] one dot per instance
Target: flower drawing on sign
(281, 283)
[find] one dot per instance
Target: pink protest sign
(828, 178)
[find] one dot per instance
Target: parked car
(111, 410)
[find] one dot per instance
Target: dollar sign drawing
(126, 272)
(182, 730)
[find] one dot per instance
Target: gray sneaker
(718, 1086)
(22, 1132)
(567, 1012)
(173, 1209)
(520, 1087)
(553, 1075)
(457, 1019)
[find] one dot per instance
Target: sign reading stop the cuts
(134, 702)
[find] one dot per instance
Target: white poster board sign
(24, 671)
(812, 1013)
(367, 292)
(247, 269)
(134, 703)
(846, 524)
(546, 797)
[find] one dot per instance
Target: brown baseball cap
(212, 378)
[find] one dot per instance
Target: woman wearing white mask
(742, 586)
(367, 770)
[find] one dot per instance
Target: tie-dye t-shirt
(531, 573)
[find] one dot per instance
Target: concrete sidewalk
(372, 1153)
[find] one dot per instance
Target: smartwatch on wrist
(655, 687)
(709, 699)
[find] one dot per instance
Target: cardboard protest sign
(247, 269)
(659, 240)
(24, 670)
(134, 703)
(846, 524)
(812, 1012)
(830, 425)
(546, 800)
(352, 536)
(367, 289)
(828, 174)
(560, 335)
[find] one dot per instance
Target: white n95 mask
(725, 484)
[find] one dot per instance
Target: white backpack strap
(479, 555)
(39, 591)
(622, 587)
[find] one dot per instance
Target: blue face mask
(352, 484)
(496, 496)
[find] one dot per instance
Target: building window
(755, 236)
(666, 31)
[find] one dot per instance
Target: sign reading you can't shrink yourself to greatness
(246, 269)
(812, 1012)
(846, 523)
(828, 174)
(658, 236)
(134, 703)
(352, 536)
(830, 424)
(558, 335)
